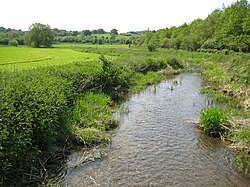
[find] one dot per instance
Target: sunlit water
(157, 144)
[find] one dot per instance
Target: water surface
(157, 144)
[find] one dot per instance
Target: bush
(31, 105)
(113, 80)
(174, 63)
(151, 47)
(212, 121)
(13, 43)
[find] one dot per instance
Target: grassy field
(13, 58)
(97, 46)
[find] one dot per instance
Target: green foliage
(242, 160)
(114, 31)
(244, 135)
(175, 64)
(141, 81)
(91, 119)
(113, 79)
(212, 121)
(222, 29)
(13, 42)
(92, 111)
(31, 104)
(45, 99)
(39, 35)
(151, 47)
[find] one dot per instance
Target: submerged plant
(213, 120)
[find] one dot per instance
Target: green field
(12, 58)
(97, 46)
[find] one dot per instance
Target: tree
(114, 31)
(100, 31)
(86, 32)
(13, 42)
(39, 35)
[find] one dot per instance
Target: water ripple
(158, 145)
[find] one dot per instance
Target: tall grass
(213, 121)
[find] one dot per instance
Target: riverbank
(42, 127)
(228, 81)
(157, 144)
(48, 109)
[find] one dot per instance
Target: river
(158, 144)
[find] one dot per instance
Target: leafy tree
(114, 31)
(75, 33)
(87, 32)
(227, 28)
(3, 38)
(112, 38)
(39, 35)
(100, 31)
(13, 42)
(94, 31)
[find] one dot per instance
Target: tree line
(224, 29)
(40, 35)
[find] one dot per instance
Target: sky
(126, 15)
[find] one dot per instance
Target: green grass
(91, 119)
(213, 120)
(13, 58)
(97, 46)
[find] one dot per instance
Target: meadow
(12, 58)
(51, 99)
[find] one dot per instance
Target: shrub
(174, 63)
(151, 47)
(113, 80)
(13, 42)
(212, 121)
(30, 106)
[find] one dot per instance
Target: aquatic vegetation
(213, 121)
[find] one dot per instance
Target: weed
(213, 120)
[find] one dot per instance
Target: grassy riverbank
(49, 103)
(52, 99)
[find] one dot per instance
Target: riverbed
(158, 144)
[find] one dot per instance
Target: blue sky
(127, 15)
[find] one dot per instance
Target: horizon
(96, 14)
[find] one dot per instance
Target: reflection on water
(157, 144)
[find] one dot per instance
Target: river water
(157, 144)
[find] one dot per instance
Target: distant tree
(100, 31)
(39, 35)
(3, 38)
(13, 42)
(114, 31)
(86, 32)
(74, 33)
(112, 38)
(94, 31)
